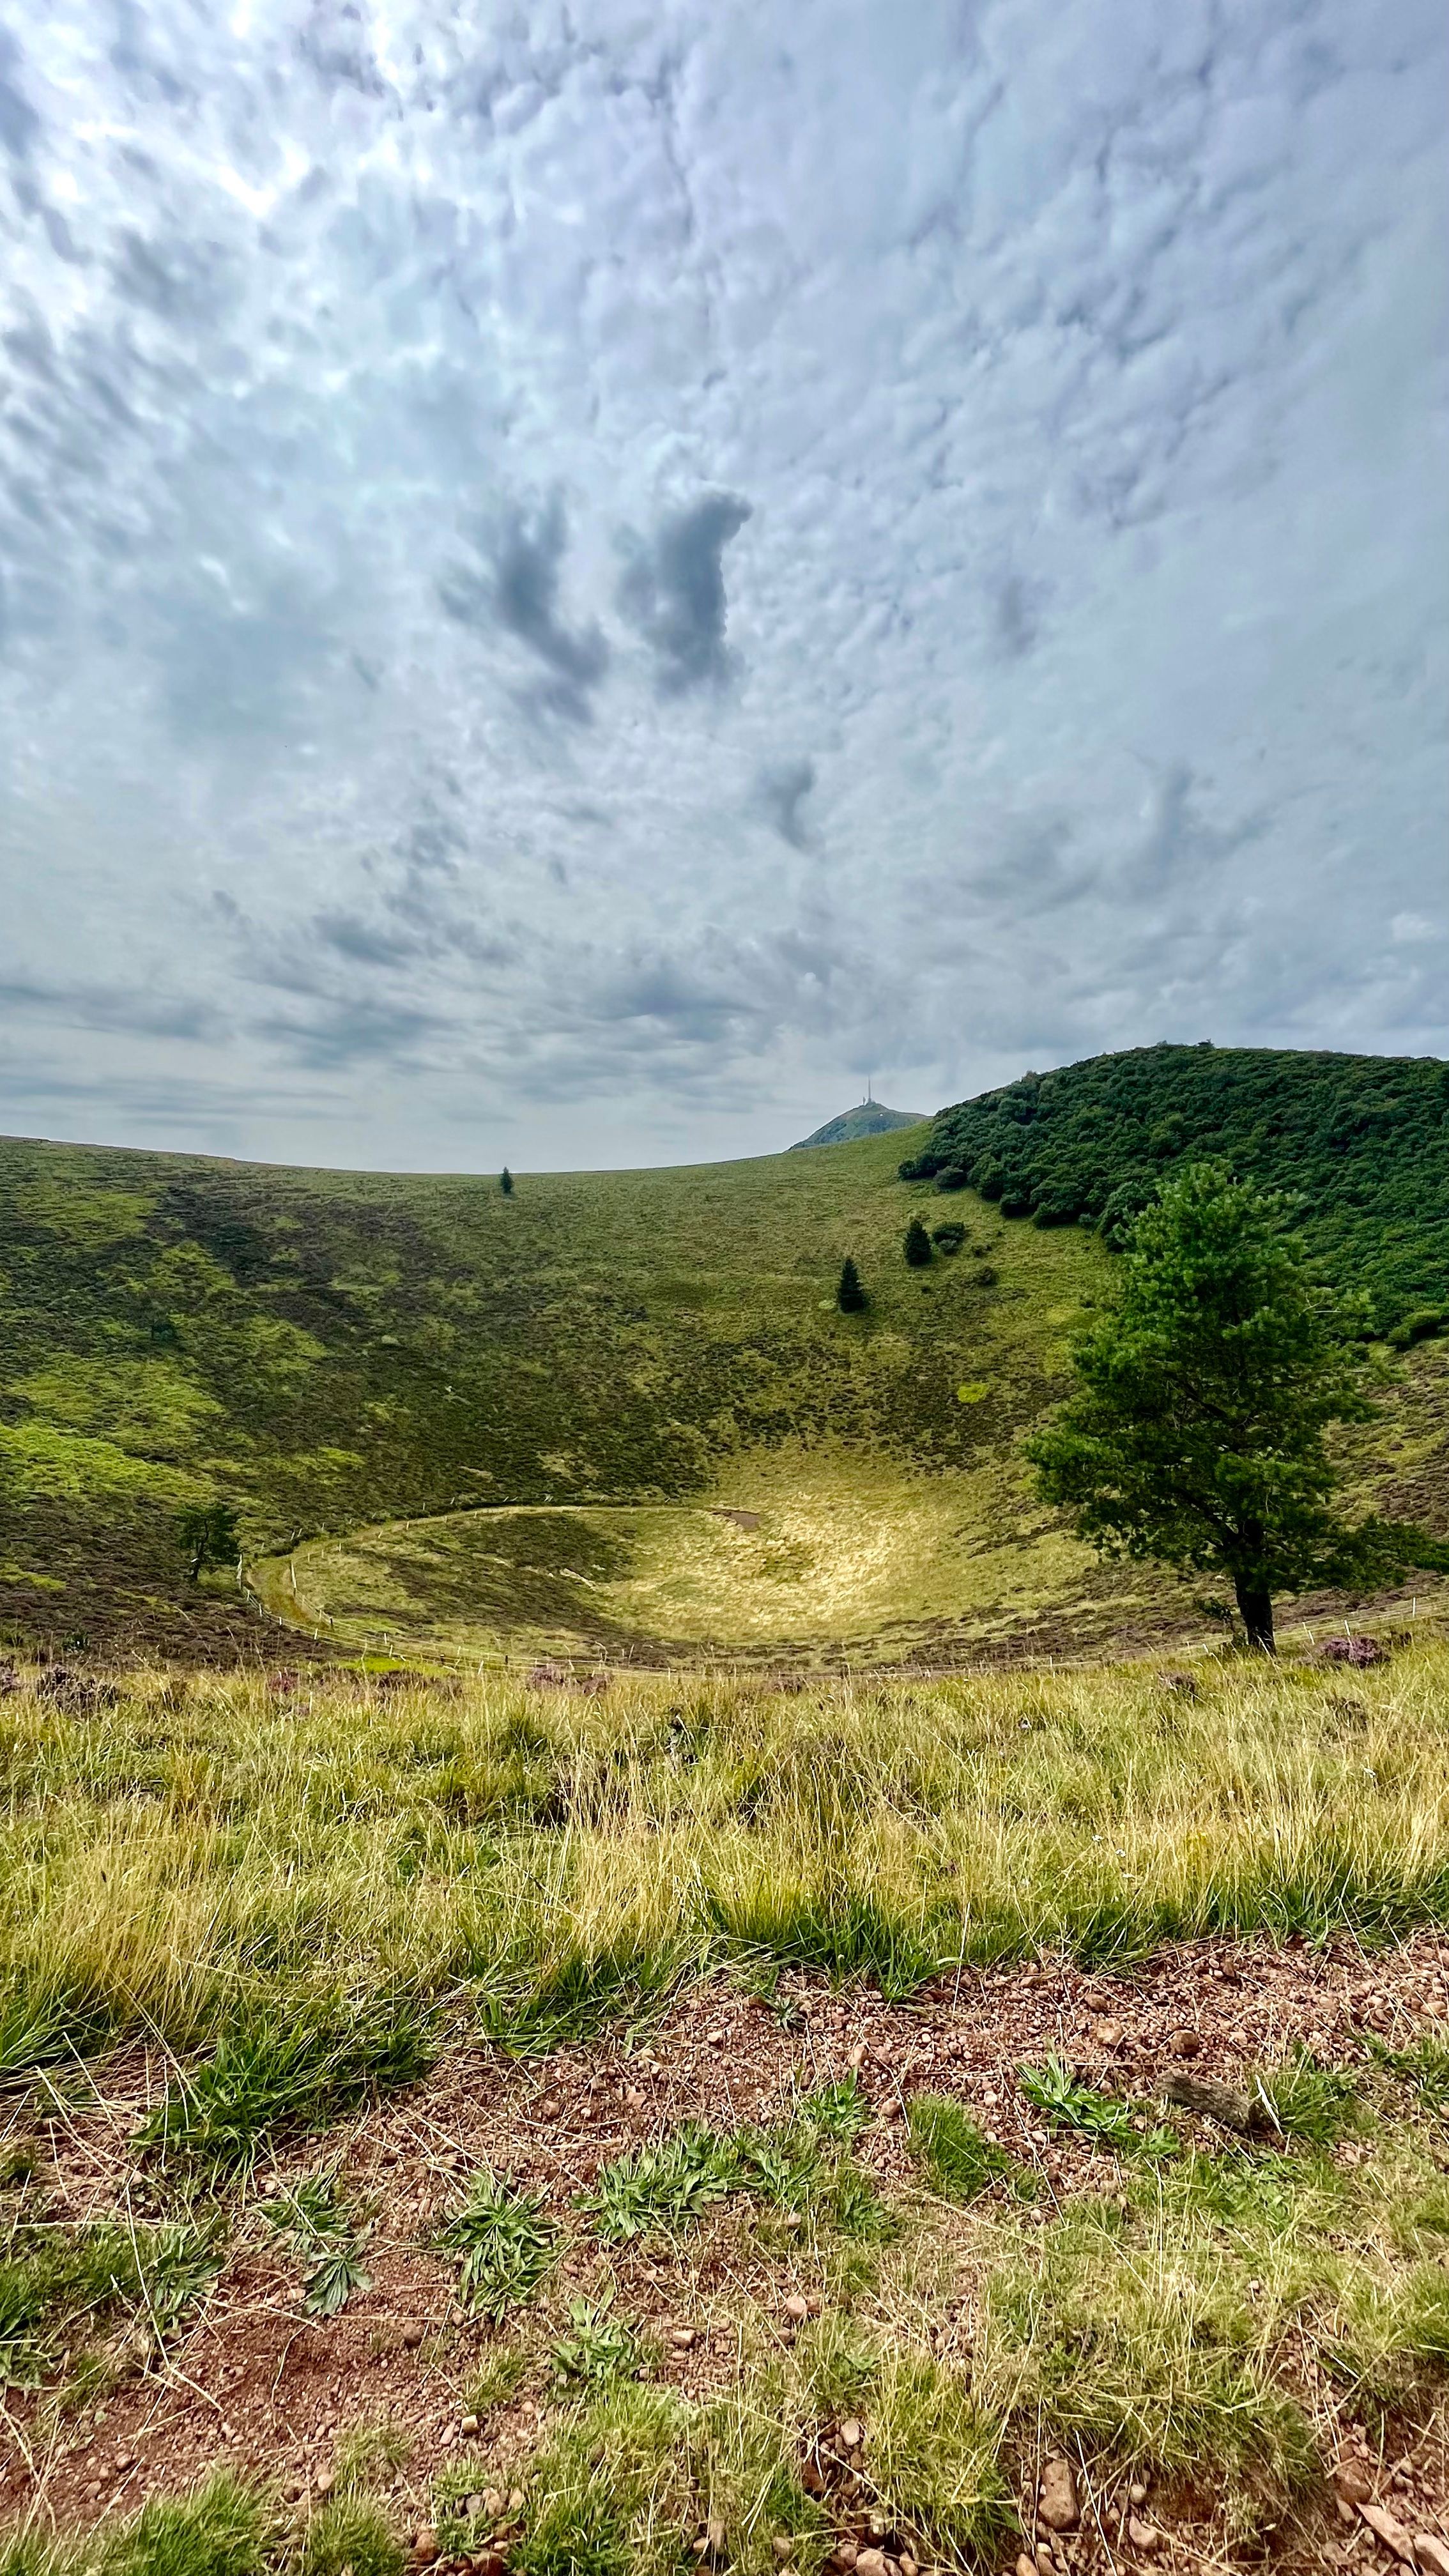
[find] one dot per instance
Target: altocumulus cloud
(569, 589)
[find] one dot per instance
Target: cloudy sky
(575, 580)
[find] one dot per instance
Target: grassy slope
(336, 1352)
(295, 1880)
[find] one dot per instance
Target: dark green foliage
(598, 2348)
(1362, 1139)
(286, 2064)
(506, 2244)
(505, 1182)
(951, 1177)
(1055, 2092)
(208, 1534)
(917, 1245)
(850, 1296)
(1197, 1432)
(319, 2229)
(959, 2160)
(948, 1238)
(1422, 1324)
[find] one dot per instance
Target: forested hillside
(1362, 1143)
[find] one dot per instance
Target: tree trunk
(1255, 1609)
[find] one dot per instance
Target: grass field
(301, 1975)
(499, 1427)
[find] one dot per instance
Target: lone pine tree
(917, 1245)
(850, 1296)
(505, 1182)
(1196, 1432)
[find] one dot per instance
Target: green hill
(868, 1118)
(1361, 1141)
(619, 1414)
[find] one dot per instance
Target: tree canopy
(1361, 1141)
(1197, 1431)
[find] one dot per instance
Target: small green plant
(1425, 2066)
(850, 1296)
(948, 1238)
(497, 2378)
(1308, 2101)
(57, 2284)
(959, 2160)
(664, 2188)
(505, 1182)
(599, 2347)
(221, 2529)
(504, 2243)
(1055, 2092)
(319, 2229)
(916, 1245)
(287, 2064)
(367, 2453)
(837, 2110)
(350, 2533)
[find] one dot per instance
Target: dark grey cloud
(783, 791)
(137, 1010)
(672, 589)
(518, 590)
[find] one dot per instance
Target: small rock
(633, 2099)
(324, 2482)
(797, 2309)
(908, 2564)
(1143, 2535)
(425, 2547)
(782, 2549)
(1353, 2482)
(515, 2499)
(856, 2057)
(469, 2424)
(1393, 2533)
(1187, 2043)
(1025, 2565)
(852, 2433)
(550, 2107)
(1137, 2492)
(1108, 2033)
(871, 2562)
(1432, 2554)
(1057, 2503)
(493, 2501)
(412, 2337)
(845, 2554)
(682, 2338)
(715, 2038)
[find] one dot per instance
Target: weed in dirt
(504, 2244)
(496, 2379)
(599, 2346)
(1308, 2101)
(318, 2228)
(838, 2110)
(287, 2064)
(665, 2188)
(350, 2533)
(958, 2159)
(1055, 2092)
(367, 2453)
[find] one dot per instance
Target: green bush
(917, 1245)
(948, 1238)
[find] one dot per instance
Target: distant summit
(870, 1118)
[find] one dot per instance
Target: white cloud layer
(573, 581)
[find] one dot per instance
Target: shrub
(917, 1245)
(1424, 1324)
(948, 1238)
(985, 1277)
(951, 1178)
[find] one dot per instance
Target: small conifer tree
(850, 1296)
(917, 1245)
(505, 1182)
